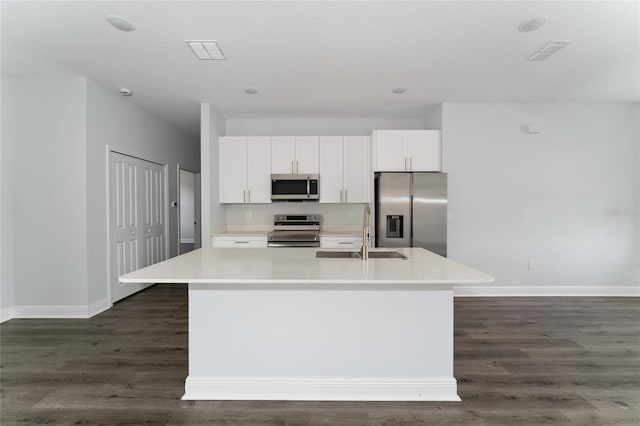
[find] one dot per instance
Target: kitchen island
(282, 324)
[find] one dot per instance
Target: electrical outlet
(249, 215)
(351, 216)
(532, 264)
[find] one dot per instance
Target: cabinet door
(389, 154)
(307, 152)
(233, 169)
(282, 154)
(331, 167)
(258, 169)
(356, 169)
(423, 150)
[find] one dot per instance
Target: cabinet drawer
(230, 241)
(341, 242)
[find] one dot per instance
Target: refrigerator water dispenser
(395, 226)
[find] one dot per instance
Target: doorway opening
(189, 210)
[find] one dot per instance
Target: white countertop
(296, 266)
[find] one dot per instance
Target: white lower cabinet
(231, 241)
(343, 242)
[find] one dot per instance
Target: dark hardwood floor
(518, 361)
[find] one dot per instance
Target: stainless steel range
(295, 231)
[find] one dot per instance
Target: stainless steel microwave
(294, 187)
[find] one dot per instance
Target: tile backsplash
(262, 214)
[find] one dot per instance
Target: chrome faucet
(366, 233)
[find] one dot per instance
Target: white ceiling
(330, 59)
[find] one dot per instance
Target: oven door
(293, 239)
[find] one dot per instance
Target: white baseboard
(6, 314)
(542, 291)
(50, 311)
(98, 307)
(82, 311)
(321, 389)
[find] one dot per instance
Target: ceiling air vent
(548, 49)
(206, 50)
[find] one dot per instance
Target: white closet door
(136, 219)
(154, 203)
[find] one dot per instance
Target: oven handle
(294, 244)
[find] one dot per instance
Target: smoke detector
(550, 47)
(126, 92)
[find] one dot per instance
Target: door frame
(197, 215)
(109, 149)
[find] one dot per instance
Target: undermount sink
(338, 254)
(386, 255)
(356, 255)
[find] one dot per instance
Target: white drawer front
(239, 242)
(341, 242)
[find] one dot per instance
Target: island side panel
(345, 344)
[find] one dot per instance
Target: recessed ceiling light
(399, 90)
(251, 90)
(121, 23)
(126, 92)
(206, 50)
(533, 24)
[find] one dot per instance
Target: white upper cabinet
(357, 169)
(258, 169)
(344, 169)
(245, 169)
(331, 169)
(406, 151)
(294, 154)
(233, 169)
(283, 152)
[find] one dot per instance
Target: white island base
(279, 324)
(329, 344)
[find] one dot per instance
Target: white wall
(187, 200)
(55, 135)
(433, 118)
(118, 123)
(317, 126)
(47, 137)
(567, 197)
(212, 126)
(6, 200)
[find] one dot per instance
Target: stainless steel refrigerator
(411, 210)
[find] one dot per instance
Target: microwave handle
(308, 186)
